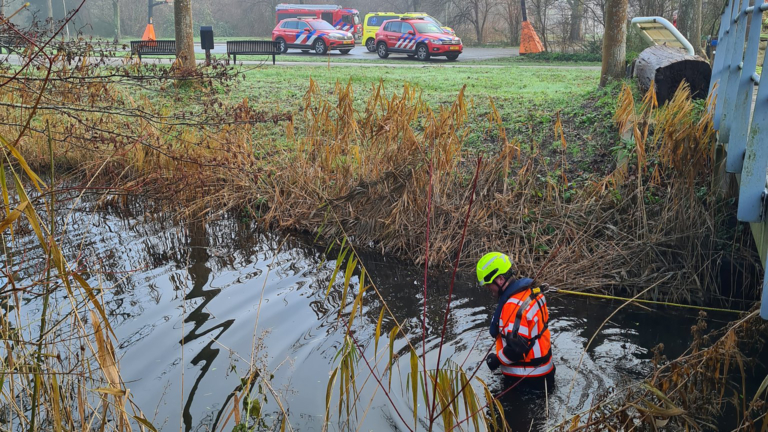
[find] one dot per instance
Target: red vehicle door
(289, 30)
(407, 39)
(393, 33)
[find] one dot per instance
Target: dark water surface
(189, 303)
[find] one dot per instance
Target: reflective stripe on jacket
(538, 360)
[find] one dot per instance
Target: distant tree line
(562, 25)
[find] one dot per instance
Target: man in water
(519, 325)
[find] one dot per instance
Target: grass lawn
(528, 98)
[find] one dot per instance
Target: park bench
(153, 47)
(252, 47)
(11, 43)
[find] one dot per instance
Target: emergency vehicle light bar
(283, 6)
(406, 18)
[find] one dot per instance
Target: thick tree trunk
(689, 23)
(614, 41)
(667, 67)
(185, 45)
(576, 16)
(116, 18)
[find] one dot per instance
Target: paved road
(360, 53)
(397, 62)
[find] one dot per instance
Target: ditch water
(188, 304)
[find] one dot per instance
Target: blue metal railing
(742, 129)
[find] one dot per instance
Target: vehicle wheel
(283, 45)
(452, 57)
(345, 51)
(370, 45)
(320, 47)
(422, 52)
(381, 49)
(305, 51)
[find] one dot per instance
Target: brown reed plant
(369, 166)
(691, 391)
(388, 176)
(670, 146)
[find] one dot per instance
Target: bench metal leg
(273, 59)
(234, 57)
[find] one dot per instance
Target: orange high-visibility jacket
(533, 321)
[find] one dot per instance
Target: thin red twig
(426, 268)
(453, 282)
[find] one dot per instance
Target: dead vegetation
(652, 218)
(388, 176)
(703, 389)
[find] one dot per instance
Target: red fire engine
(339, 17)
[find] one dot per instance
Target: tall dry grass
(653, 218)
(669, 156)
(387, 176)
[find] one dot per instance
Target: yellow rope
(647, 301)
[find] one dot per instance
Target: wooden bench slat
(153, 47)
(253, 47)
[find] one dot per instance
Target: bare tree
(577, 11)
(689, 23)
(116, 17)
(49, 9)
(614, 41)
(476, 13)
(513, 17)
(185, 45)
(540, 13)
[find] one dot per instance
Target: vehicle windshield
(427, 28)
(433, 20)
(321, 25)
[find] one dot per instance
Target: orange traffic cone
(149, 33)
(529, 40)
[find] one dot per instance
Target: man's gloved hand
(492, 361)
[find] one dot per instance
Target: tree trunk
(574, 34)
(116, 18)
(513, 21)
(689, 23)
(478, 27)
(614, 41)
(668, 67)
(185, 45)
(49, 7)
(2, 7)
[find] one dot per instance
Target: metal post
(735, 52)
(725, 49)
(717, 66)
(753, 176)
(739, 125)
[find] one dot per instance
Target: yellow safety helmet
(491, 265)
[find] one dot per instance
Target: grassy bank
(354, 149)
(530, 160)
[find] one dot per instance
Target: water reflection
(199, 273)
(193, 292)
